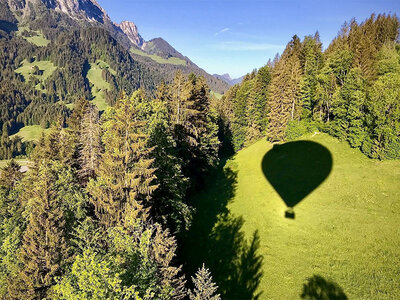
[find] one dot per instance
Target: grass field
(37, 38)
(159, 59)
(27, 69)
(345, 234)
(217, 95)
(99, 84)
(31, 133)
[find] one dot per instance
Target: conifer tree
(205, 288)
(284, 91)
(10, 175)
(384, 106)
(168, 205)
(43, 249)
(125, 174)
(194, 125)
(349, 109)
(89, 144)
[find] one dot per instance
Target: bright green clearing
(347, 230)
(37, 39)
(216, 95)
(159, 59)
(46, 67)
(99, 84)
(31, 133)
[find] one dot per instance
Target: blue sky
(235, 36)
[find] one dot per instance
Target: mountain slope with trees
(71, 37)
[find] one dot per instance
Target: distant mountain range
(227, 78)
(156, 54)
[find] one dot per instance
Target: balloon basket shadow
(289, 213)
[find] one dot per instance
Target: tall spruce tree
(195, 129)
(90, 147)
(44, 248)
(284, 91)
(125, 174)
(349, 109)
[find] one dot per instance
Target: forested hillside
(94, 216)
(52, 58)
(350, 90)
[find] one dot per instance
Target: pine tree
(284, 91)
(10, 175)
(125, 174)
(205, 288)
(349, 109)
(168, 205)
(89, 144)
(194, 124)
(43, 247)
(384, 107)
(311, 62)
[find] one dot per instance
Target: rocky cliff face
(131, 31)
(76, 9)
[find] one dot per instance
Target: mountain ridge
(228, 79)
(91, 13)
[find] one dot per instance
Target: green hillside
(44, 69)
(159, 59)
(345, 231)
(34, 37)
(31, 133)
(94, 76)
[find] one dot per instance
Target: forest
(108, 200)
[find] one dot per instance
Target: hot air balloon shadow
(295, 169)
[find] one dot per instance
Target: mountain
(55, 52)
(160, 47)
(131, 31)
(84, 13)
(227, 78)
(77, 9)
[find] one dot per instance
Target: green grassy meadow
(216, 95)
(37, 38)
(31, 133)
(346, 230)
(99, 84)
(27, 70)
(159, 59)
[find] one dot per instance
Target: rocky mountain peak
(76, 9)
(131, 31)
(88, 8)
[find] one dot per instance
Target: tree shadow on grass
(295, 169)
(217, 240)
(318, 288)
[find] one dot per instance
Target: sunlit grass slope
(31, 133)
(99, 84)
(46, 68)
(37, 37)
(159, 59)
(346, 230)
